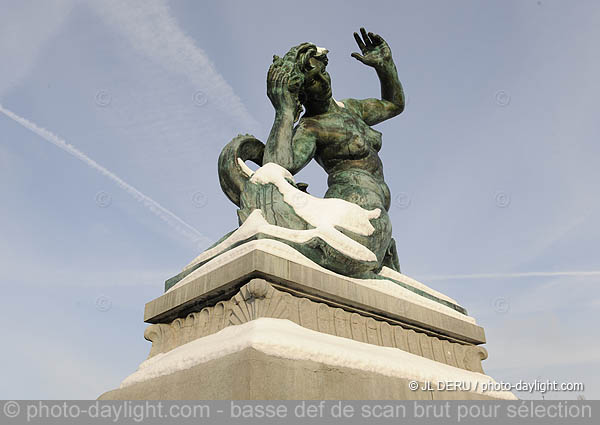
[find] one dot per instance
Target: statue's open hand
(375, 51)
(282, 89)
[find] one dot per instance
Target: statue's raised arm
(377, 54)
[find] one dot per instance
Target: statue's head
(307, 64)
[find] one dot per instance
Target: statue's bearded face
(317, 82)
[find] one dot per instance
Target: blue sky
(492, 167)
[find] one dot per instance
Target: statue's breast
(347, 136)
(374, 138)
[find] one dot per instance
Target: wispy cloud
(157, 209)
(26, 27)
(149, 26)
(511, 275)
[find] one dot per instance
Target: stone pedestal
(263, 322)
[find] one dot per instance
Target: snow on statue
(348, 231)
(339, 137)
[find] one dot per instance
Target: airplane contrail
(511, 275)
(157, 209)
(151, 28)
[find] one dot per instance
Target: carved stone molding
(258, 299)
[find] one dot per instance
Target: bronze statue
(349, 230)
(337, 134)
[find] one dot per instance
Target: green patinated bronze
(338, 135)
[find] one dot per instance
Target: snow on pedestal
(285, 339)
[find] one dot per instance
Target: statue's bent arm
(373, 111)
(304, 146)
(377, 54)
(292, 148)
(278, 148)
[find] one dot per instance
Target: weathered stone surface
(252, 375)
(230, 294)
(222, 281)
(259, 298)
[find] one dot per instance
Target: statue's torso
(347, 149)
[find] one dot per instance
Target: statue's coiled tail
(233, 172)
(318, 228)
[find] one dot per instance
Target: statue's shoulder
(351, 105)
(310, 125)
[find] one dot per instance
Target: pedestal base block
(277, 359)
(263, 322)
(252, 375)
